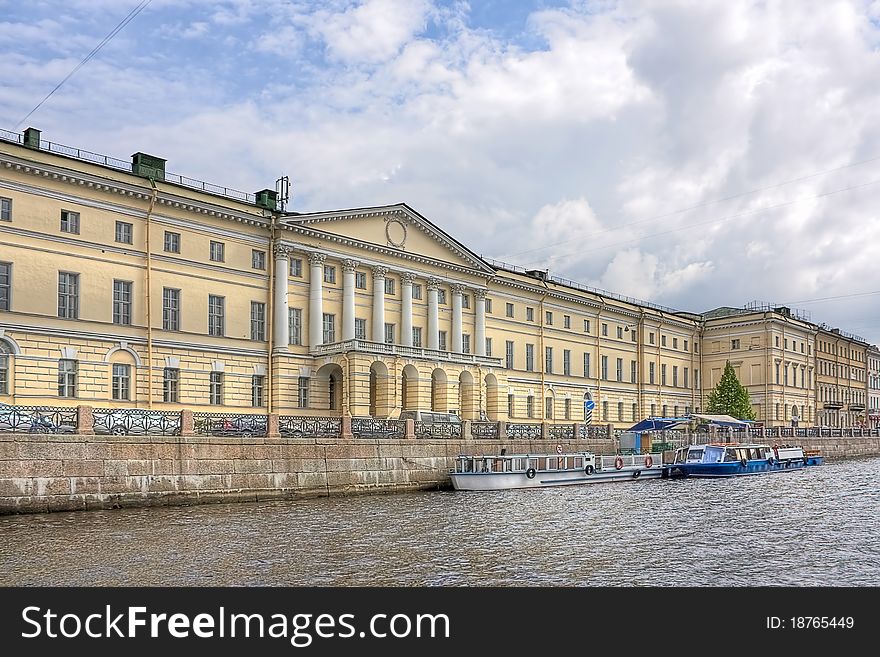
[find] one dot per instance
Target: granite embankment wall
(47, 472)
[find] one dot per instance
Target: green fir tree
(730, 397)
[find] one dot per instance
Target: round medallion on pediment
(395, 232)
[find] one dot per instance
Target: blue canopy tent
(659, 423)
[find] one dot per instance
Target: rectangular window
(665, 410)
(5, 285)
(441, 340)
(302, 397)
(417, 336)
(586, 326)
(663, 374)
(675, 346)
(508, 354)
(786, 344)
(530, 314)
(604, 329)
(548, 318)
(635, 412)
(696, 379)
(465, 343)
(218, 252)
(489, 306)
(696, 348)
(620, 411)
(296, 267)
(604, 410)
(170, 309)
(651, 373)
(734, 344)
(66, 378)
(620, 333)
(329, 326)
(566, 321)
(632, 371)
(465, 301)
(216, 314)
(258, 384)
(5, 209)
(566, 362)
(258, 259)
(548, 408)
(330, 274)
(633, 336)
(389, 286)
(662, 340)
(530, 358)
(530, 406)
(68, 295)
(510, 405)
(69, 222)
(685, 345)
(604, 362)
(686, 377)
(777, 340)
(122, 302)
(675, 376)
(294, 325)
(360, 328)
(389, 333)
(416, 291)
(567, 408)
(258, 320)
(586, 365)
(360, 280)
(123, 232)
(170, 385)
(488, 346)
(508, 310)
(216, 391)
(548, 360)
(441, 296)
(651, 337)
(653, 410)
(619, 369)
(172, 242)
(121, 382)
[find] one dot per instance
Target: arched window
(5, 362)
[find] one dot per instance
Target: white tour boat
(503, 471)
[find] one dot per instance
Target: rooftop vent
(267, 198)
(148, 166)
(783, 310)
(32, 138)
(541, 274)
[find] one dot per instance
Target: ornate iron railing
(595, 431)
(369, 427)
(562, 431)
(529, 431)
(484, 429)
(305, 426)
(438, 429)
(138, 421)
(38, 419)
(230, 424)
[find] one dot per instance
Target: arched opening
(549, 404)
(491, 397)
(123, 375)
(6, 368)
(379, 392)
(467, 406)
(409, 388)
(329, 384)
(589, 405)
(439, 391)
(794, 413)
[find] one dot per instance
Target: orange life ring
(559, 449)
(649, 461)
(618, 462)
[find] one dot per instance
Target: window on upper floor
(124, 232)
(296, 267)
(5, 209)
(389, 286)
(218, 252)
(329, 274)
(508, 310)
(360, 280)
(416, 291)
(530, 314)
(171, 242)
(258, 259)
(69, 222)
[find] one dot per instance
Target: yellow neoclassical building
(122, 284)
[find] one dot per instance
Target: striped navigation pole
(589, 405)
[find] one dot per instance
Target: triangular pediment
(393, 228)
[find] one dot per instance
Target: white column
(379, 304)
(433, 315)
(348, 268)
(457, 291)
(280, 325)
(480, 322)
(316, 300)
(406, 310)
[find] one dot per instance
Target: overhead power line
(116, 30)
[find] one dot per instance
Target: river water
(810, 528)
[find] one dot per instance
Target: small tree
(730, 397)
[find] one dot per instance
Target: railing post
(273, 426)
(466, 430)
(85, 420)
(502, 430)
(345, 429)
(187, 423)
(410, 432)
(545, 431)
(577, 430)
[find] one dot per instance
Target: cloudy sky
(693, 154)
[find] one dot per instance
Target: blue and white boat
(738, 459)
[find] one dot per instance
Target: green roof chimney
(32, 138)
(267, 198)
(148, 166)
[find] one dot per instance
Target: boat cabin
(722, 452)
(523, 462)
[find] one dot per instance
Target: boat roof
(664, 423)
(521, 456)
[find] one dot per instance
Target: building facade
(873, 387)
(842, 387)
(123, 285)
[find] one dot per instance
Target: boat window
(713, 455)
(730, 455)
(695, 456)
